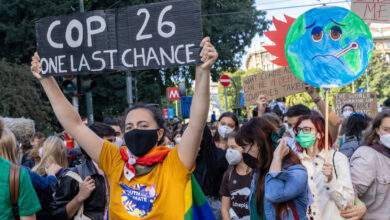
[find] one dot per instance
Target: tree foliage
(21, 96)
(231, 24)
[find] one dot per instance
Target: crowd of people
(278, 164)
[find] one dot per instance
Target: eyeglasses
(305, 130)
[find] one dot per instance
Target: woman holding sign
(146, 180)
(328, 170)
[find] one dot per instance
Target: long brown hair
(319, 124)
(7, 143)
(371, 137)
(257, 131)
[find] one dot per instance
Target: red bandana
(156, 155)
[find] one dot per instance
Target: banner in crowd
(362, 102)
(274, 84)
(150, 36)
(372, 10)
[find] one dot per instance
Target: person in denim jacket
(279, 189)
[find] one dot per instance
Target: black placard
(150, 36)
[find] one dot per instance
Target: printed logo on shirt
(138, 199)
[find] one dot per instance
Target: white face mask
(177, 140)
(224, 131)
(346, 114)
(233, 157)
(385, 140)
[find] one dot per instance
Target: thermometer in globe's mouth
(352, 46)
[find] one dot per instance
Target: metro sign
(173, 94)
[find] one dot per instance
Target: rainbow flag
(196, 205)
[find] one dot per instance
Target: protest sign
(274, 84)
(150, 36)
(362, 102)
(372, 10)
(345, 51)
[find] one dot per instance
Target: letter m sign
(173, 94)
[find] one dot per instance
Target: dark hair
(319, 124)
(386, 103)
(156, 114)
(257, 131)
(102, 130)
(371, 137)
(232, 116)
(298, 110)
(227, 115)
(347, 105)
(39, 135)
(356, 124)
(274, 119)
(111, 121)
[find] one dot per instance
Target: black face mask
(249, 160)
(140, 142)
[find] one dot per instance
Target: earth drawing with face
(328, 47)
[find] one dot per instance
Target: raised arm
(334, 119)
(66, 114)
(261, 104)
(188, 148)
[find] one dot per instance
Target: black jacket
(67, 188)
(209, 171)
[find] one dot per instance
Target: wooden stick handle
(327, 121)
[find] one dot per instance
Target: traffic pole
(226, 99)
(129, 87)
(88, 94)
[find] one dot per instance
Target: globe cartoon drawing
(328, 47)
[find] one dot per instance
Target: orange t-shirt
(156, 195)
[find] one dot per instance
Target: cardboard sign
(362, 102)
(150, 36)
(274, 84)
(372, 10)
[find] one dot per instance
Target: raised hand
(282, 150)
(208, 54)
(261, 103)
(36, 67)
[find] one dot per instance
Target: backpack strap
(80, 213)
(14, 188)
(74, 176)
